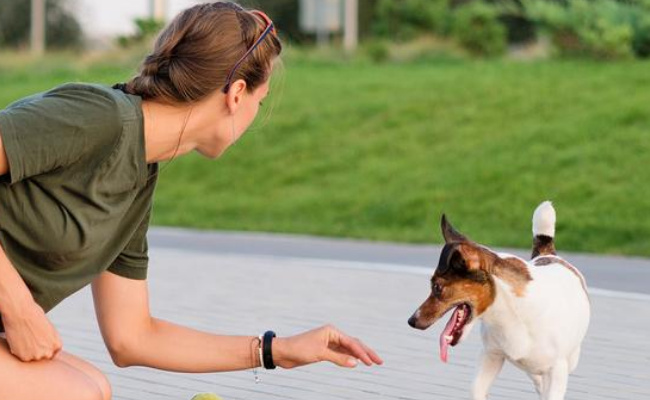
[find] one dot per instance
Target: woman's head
(195, 55)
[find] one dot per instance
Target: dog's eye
(437, 289)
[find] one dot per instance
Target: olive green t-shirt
(78, 196)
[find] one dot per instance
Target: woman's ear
(235, 95)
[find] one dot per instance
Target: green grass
(380, 151)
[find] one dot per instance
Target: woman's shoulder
(76, 96)
(81, 106)
(64, 124)
(98, 96)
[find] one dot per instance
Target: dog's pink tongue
(444, 343)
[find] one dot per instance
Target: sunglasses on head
(270, 28)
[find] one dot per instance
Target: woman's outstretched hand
(326, 343)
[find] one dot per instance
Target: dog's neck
(503, 311)
(503, 320)
(512, 271)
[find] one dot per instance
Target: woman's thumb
(342, 360)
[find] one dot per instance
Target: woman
(79, 165)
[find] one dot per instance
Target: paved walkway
(628, 274)
(247, 292)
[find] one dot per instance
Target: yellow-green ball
(206, 396)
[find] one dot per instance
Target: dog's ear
(450, 234)
(465, 257)
(471, 257)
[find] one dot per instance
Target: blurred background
(387, 113)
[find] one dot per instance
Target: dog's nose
(412, 321)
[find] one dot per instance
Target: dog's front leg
(555, 381)
(538, 381)
(491, 364)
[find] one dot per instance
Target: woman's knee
(88, 391)
(101, 382)
(91, 371)
(62, 382)
(104, 386)
(54, 379)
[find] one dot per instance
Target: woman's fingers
(340, 359)
(373, 355)
(354, 347)
(326, 343)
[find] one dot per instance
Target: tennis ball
(206, 396)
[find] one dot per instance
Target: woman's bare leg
(64, 377)
(88, 369)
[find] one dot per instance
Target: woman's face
(233, 124)
(248, 111)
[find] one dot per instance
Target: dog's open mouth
(454, 329)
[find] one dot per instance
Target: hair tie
(119, 86)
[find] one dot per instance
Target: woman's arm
(4, 164)
(29, 333)
(133, 337)
(13, 291)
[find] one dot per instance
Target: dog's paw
(479, 396)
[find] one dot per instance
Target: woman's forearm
(30, 334)
(172, 347)
(13, 290)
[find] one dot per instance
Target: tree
(285, 14)
(62, 28)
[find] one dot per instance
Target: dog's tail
(544, 230)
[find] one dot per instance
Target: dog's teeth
(461, 313)
(449, 338)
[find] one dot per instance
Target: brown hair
(193, 55)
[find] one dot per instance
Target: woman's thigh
(53, 379)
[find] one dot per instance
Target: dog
(534, 313)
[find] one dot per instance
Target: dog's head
(463, 283)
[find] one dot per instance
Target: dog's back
(552, 312)
(558, 307)
(557, 297)
(559, 274)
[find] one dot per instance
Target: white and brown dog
(535, 314)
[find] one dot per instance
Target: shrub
(477, 27)
(602, 29)
(520, 29)
(641, 39)
(146, 28)
(378, 50)
(405, 19)
(596, 28)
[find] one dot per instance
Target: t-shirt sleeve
(133, 262)
(57, 128)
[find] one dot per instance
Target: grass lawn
(380, 151)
